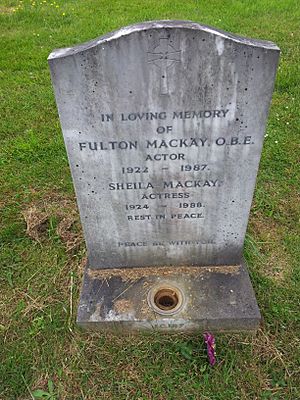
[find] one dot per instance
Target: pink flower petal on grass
(211, 347)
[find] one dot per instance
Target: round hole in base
(165, 300)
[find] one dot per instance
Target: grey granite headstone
(164, 124)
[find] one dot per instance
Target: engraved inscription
(194, 174)
(164, 56)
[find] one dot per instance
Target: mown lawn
(41, 269)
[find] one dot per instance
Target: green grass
(40, 280)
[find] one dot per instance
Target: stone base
(218, 298)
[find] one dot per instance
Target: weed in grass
(42, 394)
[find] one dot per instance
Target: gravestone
(163, 124)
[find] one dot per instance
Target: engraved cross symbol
(164, 57)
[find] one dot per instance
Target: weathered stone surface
(163, 124)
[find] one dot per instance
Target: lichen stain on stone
(147, 312)
(132, 274)
(114, 316)
(219, 45)
(122, 306)
(96, 314)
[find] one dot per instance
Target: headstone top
(144, 26)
